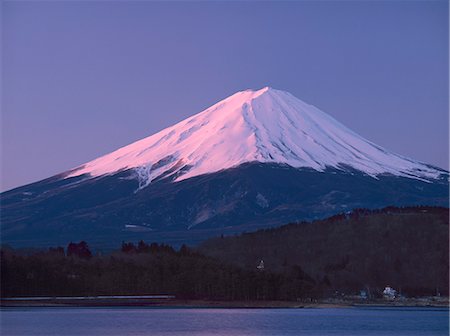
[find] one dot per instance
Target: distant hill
(406, 248)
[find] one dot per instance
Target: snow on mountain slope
(266, 125)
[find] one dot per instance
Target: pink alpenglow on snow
(266, 125)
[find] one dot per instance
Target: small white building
(260, 266)
(389, 293)
(363, 294)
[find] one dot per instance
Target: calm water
(157, 321)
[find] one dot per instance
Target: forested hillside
(406, 248)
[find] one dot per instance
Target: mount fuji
(266, 125)
(259, 158)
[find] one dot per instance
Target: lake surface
(177, 321)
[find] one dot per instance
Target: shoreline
(175, 303)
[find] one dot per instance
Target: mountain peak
(265, 125)
(260, 91)
(247, 96)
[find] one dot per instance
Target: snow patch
(262, 201)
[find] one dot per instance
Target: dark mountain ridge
(108, 209)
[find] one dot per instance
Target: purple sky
(83, 78)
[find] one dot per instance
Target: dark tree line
(144, 269)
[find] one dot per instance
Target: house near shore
(389, 293)
(363, 295)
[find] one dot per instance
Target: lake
(192, 321)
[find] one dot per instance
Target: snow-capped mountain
(257, 159)
(266, 125)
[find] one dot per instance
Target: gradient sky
(83, 78)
